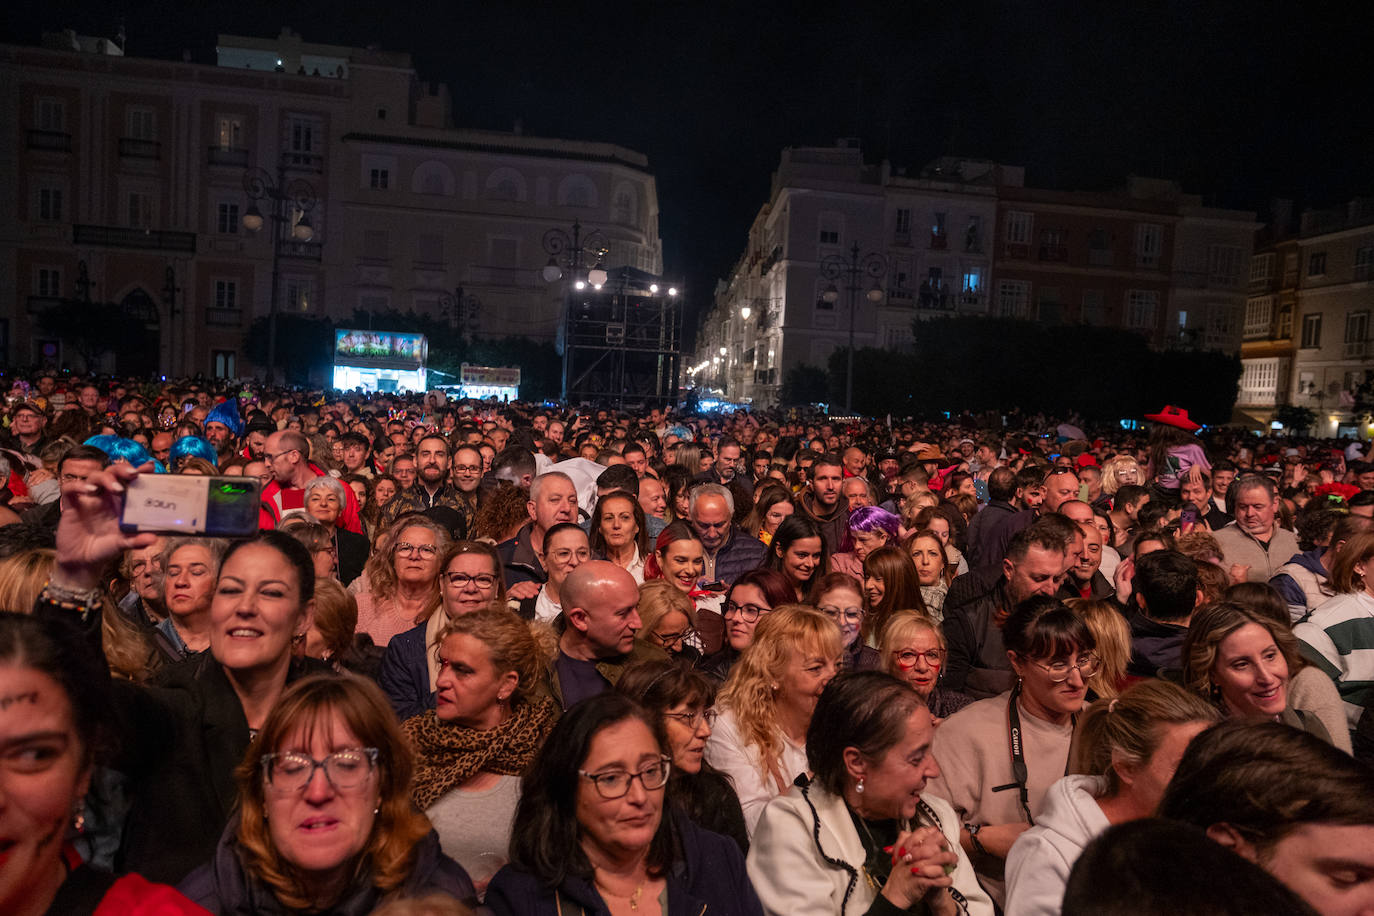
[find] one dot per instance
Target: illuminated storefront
(379, 360)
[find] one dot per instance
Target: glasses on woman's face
(694, 719)
(617, 784)
(345, 770)
(407, 549)
(849, 615)
(1060, 670)
(908, 658)
(667, 640)
(749, 613)
(481, 581)
(564, 554)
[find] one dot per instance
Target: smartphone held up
(222, 507)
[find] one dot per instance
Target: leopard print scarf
(448, 755)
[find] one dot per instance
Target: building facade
(964, 238)
(132, 180)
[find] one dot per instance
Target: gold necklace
(633, 898)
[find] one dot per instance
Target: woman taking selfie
(55, 729)
(593, 833)
(181, 740)
(325, 822)
(1051, 651)
(1126, 753)
(682, 700)
(862, 826)
(471, 579)
(471, 750)
(766, 704)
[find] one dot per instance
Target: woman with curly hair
(766, 704)
(329, 754)
(399, 586)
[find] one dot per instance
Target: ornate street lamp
(853, 269)
(259, 184)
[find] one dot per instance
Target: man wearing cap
(27, 420)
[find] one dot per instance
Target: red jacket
(277, 500)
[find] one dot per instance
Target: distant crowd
(523, 658)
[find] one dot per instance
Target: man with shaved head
(599, 623)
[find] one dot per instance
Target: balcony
(233, 158)
(303, 162)
(1356, 349)
(1054, 253)
(140, 239)
(939, 241)
(134, 148)
(39, 304)
(971, 298)
(224, 318)
(305, 251)
(53, 141)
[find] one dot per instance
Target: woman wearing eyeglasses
(913, 650)
(681, 699)
(325, 820)
(668, 620)
(753, 595)
(400, 585)
(566, 547)
(998, 757)
(837, 595)
(594, 834)
(493, 713)
(471, 580)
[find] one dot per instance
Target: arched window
(626, 205)
(506, 184)
(433, 177)
(577, 191)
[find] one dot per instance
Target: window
(937, 226)
(1259, 381)
(225, 364)
(1094, 307)
(297, 294)
(381, 112)
(1316, 264)
(1364, 263)
(830, 226)
(1356, 327)
(301, 135)
(1220, 326)
(376, 244)
(1262, 268)
(1019, 227)
(1013, 298)
(47, 282)
(1290, 269)
(229, 132)
(429, 248)
(935, 279)
(1312, 330)
(379, 179)
(903, 221)
(1142, 309)
(50, 114)
(1307, 383)
(140, 210)
(1223, 264)
(228, 220)
(226, 294)
(973, 281)
(141, 124)
(626, 207)
(821, 304)
(1285, 330)
(50, 204)
(1149, 242)
(1259, 315)
(1050, 310)
(973, 235)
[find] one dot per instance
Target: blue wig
(192, 447)
(121, 449)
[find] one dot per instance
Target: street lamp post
(833, 267)
(461, 310)
(568, 255)
(259, 184)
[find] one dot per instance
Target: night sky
(1241, 101)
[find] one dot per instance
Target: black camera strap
(1016, 741)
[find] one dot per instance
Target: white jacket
(806, 858)
(1040, 860)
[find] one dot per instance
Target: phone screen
(188, 504)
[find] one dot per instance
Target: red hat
(1174, 416)
(1085, 460)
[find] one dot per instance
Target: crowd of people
(519, 658)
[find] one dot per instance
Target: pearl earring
(859, 786)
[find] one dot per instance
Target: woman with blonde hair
(913, 650)
(1120, 471)
(1126, 751)
(668, 620)
(766, 704)
(399, 587)
(269, 861)
(687, 455)
(492, 715)
(1113, 637)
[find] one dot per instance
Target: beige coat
(1239, 547)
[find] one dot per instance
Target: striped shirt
(1338, 637)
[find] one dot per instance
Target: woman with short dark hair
(862, 827)
(593, 833)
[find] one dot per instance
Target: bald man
(599, 623)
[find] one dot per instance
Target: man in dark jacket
(822, 503)
(553, 500)
(1036, 564)
(729, 551)
(1085, 579)
(600, 618)
(432, 487)
(1001, 491)
(1165, 590)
